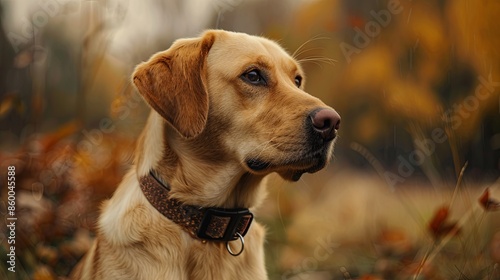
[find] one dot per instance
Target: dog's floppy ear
(173, 83)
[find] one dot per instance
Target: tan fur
(205, 124)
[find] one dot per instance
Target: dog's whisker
(298, 50)
(265, 146)
(317, 59)
(303, 51)
(280, 215)
(271, 143)
(257, 147)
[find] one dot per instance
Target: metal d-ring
(242, 246)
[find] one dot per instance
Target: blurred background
(412, 192)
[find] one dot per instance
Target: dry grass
(355, 227)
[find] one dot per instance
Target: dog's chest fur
(152, 247)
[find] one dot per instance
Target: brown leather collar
(206, 223)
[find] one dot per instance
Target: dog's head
(232, 97)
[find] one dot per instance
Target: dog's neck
(202, 176)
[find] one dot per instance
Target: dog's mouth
(291, 168)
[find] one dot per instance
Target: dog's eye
(253, 77)
(298, 81)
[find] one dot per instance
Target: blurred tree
(12, 105)
(6, 57)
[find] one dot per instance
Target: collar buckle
(220, 224)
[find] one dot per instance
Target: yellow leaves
(412, 102)
(475, 29)
(317, 13)
(370, 70)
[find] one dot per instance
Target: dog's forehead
(242, 49)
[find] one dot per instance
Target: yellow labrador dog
(228, 109)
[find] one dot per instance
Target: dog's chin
(291, 170)
(294, 175)
(291, 175)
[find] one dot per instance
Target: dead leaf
(440, 226)
(488, 203)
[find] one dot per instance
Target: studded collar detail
(205, 223)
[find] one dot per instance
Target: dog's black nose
(325, 122)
